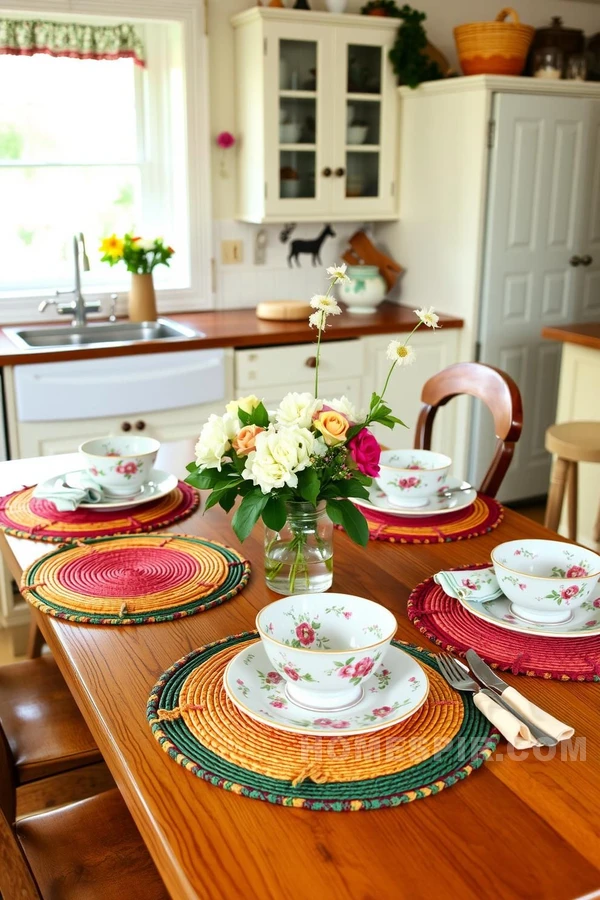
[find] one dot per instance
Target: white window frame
(195, 193)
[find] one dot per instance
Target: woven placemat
(196, 723)
(23, 515)
(446, 622)
(134, 580)
(479, 518)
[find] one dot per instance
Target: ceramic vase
(336, 6)
(299, 557)
(142, 298)
(366, 290)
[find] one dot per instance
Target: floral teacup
(325, 646)
(545, 580)
(411, 477)
(120, 465)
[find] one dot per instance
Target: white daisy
(338, 274)
(325, 304)
(428, 317)
(318, 320)
(402, 354)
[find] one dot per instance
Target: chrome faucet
(78, 307)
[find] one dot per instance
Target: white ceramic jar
(336, 6)
(366, 290)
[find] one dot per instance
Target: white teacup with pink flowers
(411, 477)
(545, 580)
(325, 646)
(120, 465)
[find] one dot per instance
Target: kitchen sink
(98, 334)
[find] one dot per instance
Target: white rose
(246, 404)
(297, 410)
(145, 244)
(346, 408)
(279, 455)
(215, 440)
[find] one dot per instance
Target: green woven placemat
(188, 710)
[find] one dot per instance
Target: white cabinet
(500, 224)
(316, 116)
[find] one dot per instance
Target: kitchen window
(97, 146)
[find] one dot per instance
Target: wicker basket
(494, 48)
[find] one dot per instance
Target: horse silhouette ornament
(313, 247)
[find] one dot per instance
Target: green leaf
(244, 417)
(274, 514)
(353, 431)
(192, 467)
(203, 480)
(248, 513)
(227, 499)
(345, 513)
(260, 416)
(309, 485)
(350, 488)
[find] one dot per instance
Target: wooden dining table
(525, 825)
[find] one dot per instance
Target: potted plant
(411, 55)
(386, 8)
(141, 257)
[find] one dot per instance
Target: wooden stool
(571, 443)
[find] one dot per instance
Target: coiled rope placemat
(23, 515)
(446, 622)
(481, 517)
(199, 727)
(134, 580)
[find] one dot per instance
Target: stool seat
(575, 441)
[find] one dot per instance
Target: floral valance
(20, 37)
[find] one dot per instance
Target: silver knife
(488, 677)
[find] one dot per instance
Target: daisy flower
(402, 354)
(338, 274)
(428, 317)
(325, 304)
(318, 320)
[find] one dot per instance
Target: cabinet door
(589, 271)
(538, 192)
(298, 119)
(365, 123)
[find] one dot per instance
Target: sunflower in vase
(298, 466)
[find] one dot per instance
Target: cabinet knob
(586, 260)
(326, 173)
(139, 425)
(340, 172)
(575, 261)
(126, 426)
(311, 362)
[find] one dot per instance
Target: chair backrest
(16, 880)
(497, 390)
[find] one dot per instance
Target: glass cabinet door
(297, 125)
(363, 120)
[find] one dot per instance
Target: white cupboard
(316, 116)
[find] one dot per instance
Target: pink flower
(569, 592)
(415, 467)
(523, 587)
(403, 482)
(576, 572)
(346, 672)
(589, 624)
(412, 679)
(466, 582)
(225, 140)
(366, 452)
(273, 678)
(363, 667)
(323, 723)
(279, 704)
(305, 634)
(340, 724)
(93, 470)
(412, 481)
(239, 681)
(347, 615)
(382, 712)
(597, 602)
(291, 672)
(517, 553)
(386, 672)
(129, 468)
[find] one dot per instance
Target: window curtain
(20, 37)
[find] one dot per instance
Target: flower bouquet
(297, 467)
(141, 257)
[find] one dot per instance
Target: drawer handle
(126, 426)
(139, 425)
(311, 362)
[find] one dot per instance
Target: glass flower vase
(299, 557)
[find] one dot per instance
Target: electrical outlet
(232, 252)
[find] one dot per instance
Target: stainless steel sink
(98, 335)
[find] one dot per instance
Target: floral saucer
(437, 506)
(584, 621)
(159, 485)
(396, 691)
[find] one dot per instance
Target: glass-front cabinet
(316, 116)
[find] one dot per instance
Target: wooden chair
(89, 850)
(497, 390)
(571, 443)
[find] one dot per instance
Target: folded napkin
(515, 733)
(479, 585)
(67, 497)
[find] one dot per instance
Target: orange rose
(333, 426)
(245, 442)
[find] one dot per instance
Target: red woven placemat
(479, 518)
(444, 621)
(24, 516)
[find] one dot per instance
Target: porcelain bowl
(410, 477)
(356, 134)
(120, 465)
(325, 646)
(289, 132)
(545, 580)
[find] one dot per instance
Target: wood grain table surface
(523, 826)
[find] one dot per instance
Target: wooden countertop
(586, 334)
(231, 328)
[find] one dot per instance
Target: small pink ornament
(225, 140)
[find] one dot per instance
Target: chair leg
(556, 493)
(572, 487)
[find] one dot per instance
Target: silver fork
(458, 678)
